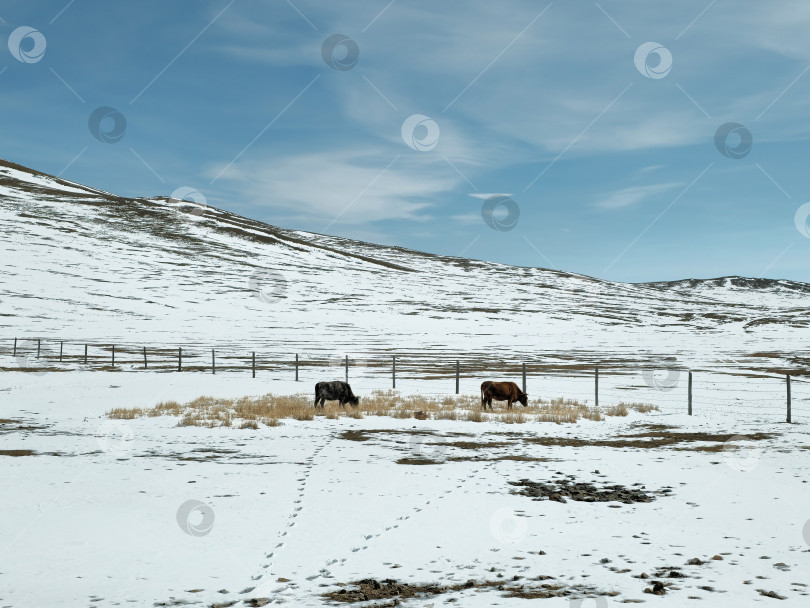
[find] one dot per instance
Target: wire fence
(741, 393)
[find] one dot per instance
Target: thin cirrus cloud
(634, 195)
(359, 187)
(485, 196)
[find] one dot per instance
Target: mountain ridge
(84, 263)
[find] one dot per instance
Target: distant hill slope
(83, 264)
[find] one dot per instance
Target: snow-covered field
(100, 513)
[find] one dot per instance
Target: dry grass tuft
(121, 413)
(250, 412)
(617, 410)
(642, 408)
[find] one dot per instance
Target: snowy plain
(92, 517)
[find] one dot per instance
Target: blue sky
(611, 161)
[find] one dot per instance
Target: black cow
(502, 391)
(335, 391)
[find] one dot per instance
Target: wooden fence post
(85, 354)
(524, 377)
(180, 359)
(38, 345)
(254, 364)
(690, 393)
(347, 368)
(393, 372)
(457, 375)
(61, 348)
(296, 367)
(213, 362)
(113, 355)
(596, 386)
(787, 379)
(15, 347)
(145, 364)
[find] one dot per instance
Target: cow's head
(354, 400)
(523, 398)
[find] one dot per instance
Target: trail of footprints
(403, 518)
(292, 518)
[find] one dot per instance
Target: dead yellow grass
(269, 409)
(121, 413)
(617, 410)
(641, 408)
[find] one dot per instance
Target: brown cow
(502, 391)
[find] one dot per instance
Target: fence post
(787, 379)
(213, 362)
(85, 354)
(690, 393)
(596, 386)
(393, 372)
(524, 377)
(15, 347)
(113, 355)
(61, 346)
(145, 364)
(457, 375)
(38, 345)
(296, 367)
(347, 368)
(253, 365)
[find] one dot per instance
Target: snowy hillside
(79, 264)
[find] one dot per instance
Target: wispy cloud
(484, 196)
(629, 197)
(319, 187)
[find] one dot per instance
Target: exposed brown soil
(652, 439)
(371, 589)
(366, 434)
(562, 489)
(17, 452)
(416, 460)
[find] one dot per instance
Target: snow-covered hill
(79, 264)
